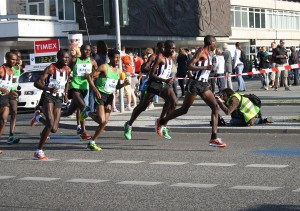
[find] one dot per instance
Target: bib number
(82, 69)
(110, 85)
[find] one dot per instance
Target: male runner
(52, 82)
(82, 67)
(107, 82)
(13, 101)
(6, 84)
(201, 66)
(159, 84)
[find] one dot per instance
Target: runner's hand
(210, 67)
(66, 99)
(97, 94)
(53, 90)
(14, 94)
(170, 81)
(126, 82)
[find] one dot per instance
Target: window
(63, 9)
(264, 18)
(36, 7)
(66, 10)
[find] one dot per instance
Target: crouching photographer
(243, 111)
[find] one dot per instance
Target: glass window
(41, 9)
(61, 15)
(245, 19)
(69, 10)
(238, 22)
(251, 19)
(52, 8)
(33, 10)
(232, 18)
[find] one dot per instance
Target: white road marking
(168, 163)
(49, 160)
(126, 161)
(7, 177)
(216, 164)
(266, 166)
(84, 161)
(8, 158)
(138, 183)
(87, 180)
(297, 190)
(246, 187)
(194, 185)
(39, 178)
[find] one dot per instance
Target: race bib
(110, 85)
(82, 69)
(58, 84)
(7, 85)
(15, 83)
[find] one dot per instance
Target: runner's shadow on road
(273, 207)
(171, 150)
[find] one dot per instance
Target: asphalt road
(255, 172)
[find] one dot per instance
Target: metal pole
(118, 46)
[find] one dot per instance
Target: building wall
(187, 18)
(16, 7)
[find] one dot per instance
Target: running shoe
(93, 147)
(165, 132)
(127, 131)
(158, 127)
(40, 155)
(84, 113)
(33, 121)
(79, 130)
(85, 136)
(12, 140)
(217, 143)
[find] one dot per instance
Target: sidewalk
(200, 124)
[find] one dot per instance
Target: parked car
(29, 95)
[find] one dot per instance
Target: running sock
(92, 142)
(78, 126)
(37, 118)
(213, 136)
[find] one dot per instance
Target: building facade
(253, 23)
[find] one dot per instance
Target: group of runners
(72, 77)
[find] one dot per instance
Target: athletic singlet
(79, 80)
(17, 73)
(6, 81)
(202, 75)
(164, 71)
(109, 83)
(57, 79)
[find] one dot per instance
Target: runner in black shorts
(108, 80)
(160, 84)
(52, 82)
(6, 83)
(201, 66)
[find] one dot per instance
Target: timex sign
(46, 46)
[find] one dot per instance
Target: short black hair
(208, 39)
(169, 43)
(112, 53)
(60, 54)
(228, 92)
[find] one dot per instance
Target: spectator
(243, 112)
(273, 64)
(280, 56)
(263, 58)
(220, 69)
(239, 67)
(127, 62)
(228, 66)
(182, 61)
(293, 59)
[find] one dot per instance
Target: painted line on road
(297, 190)
(126, 161)
(83, 161)
(39, 178)
(138, 183)
(168, 163)
(8, 158)
(246, 187)
(86, 180)
(7, 177)
(194, 185)
(49, 160)
(266, 166)
(216, 164)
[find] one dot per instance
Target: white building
(262, 21)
